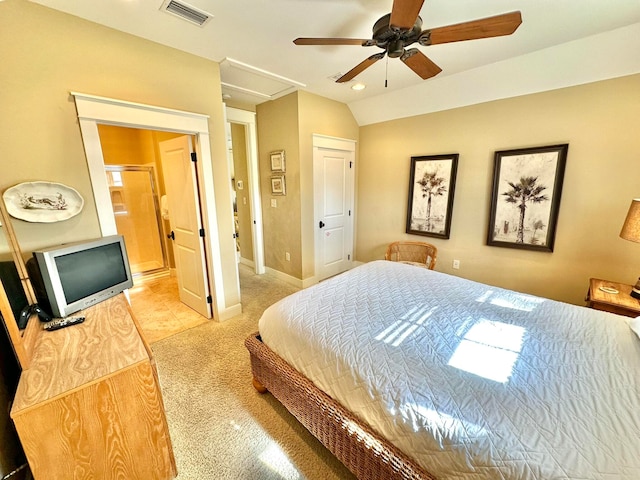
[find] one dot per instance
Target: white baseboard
(307, 282)
(229, 312)
(296, 282)
(248, 263)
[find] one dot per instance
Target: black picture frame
(432, 182)
(525, 199)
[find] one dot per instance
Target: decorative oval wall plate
(42, 202)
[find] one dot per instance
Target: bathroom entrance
(133, 165)
(138, 215)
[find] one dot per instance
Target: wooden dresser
(89, 405)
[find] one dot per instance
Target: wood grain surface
(113, 430)
(90, 406)
(68, 358)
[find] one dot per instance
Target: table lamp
(631, 231)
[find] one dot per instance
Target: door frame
(248, 119)
(93, 110)
(344, 145)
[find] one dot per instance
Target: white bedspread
(472, 381)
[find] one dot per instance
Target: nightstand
(621, 303)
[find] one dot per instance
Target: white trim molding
(93, 110)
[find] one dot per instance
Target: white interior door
(333, 192)
(185, 219)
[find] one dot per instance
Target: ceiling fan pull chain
(386, 72)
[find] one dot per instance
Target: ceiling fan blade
(497, 26)
(361, 67)
(420, 63)
(404, 13)
(334, 41)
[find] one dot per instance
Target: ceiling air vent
(186, 12)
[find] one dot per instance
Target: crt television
(77, 275)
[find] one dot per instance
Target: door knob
(321, 224)
(172, 235)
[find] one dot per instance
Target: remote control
(62, 322)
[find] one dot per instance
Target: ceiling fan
(403, 27)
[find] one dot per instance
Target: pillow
(634, 324)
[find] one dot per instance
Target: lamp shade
(631, 227)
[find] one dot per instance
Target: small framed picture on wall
(277, 161)
(278, 185)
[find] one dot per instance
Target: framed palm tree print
(431, 187)
(525, 201)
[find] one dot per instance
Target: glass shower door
(135, 206)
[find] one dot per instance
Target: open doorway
(240, 194)
(93, 110)
(243, 163)
(138, 195)
(146, 173)
(134, 198)
(158, 213)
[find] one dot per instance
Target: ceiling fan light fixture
(358, 86)
(395, 48)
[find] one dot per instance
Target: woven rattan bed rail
(355, 444)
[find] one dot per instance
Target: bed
(409, 373)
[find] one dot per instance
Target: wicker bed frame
(354, 443)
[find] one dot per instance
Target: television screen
(78, 275)
(89, 271)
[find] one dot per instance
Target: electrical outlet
(287, 256)
(456, 264)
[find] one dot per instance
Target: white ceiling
(253, 38)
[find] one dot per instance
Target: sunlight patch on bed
(517, 301)
(274, 458)
(441, 425)
(489, 349)
(396, 333)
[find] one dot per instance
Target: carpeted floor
(221, 428)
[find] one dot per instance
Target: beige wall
(46, 54)
(599, 121)
(289, 124)
(277, 127)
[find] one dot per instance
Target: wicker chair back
(421, 254)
